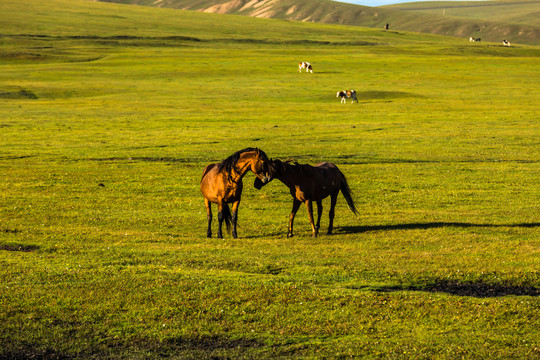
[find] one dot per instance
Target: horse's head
(261, 166)
(271, 170)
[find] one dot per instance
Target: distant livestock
(305, 65)
(471, 39)
(506, 43)
(347, 94)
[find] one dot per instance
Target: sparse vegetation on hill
(525, 12)
(491, 20)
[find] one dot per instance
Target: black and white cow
(347, 94)
(305, 65)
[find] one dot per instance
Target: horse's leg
(220, 220)
(333, 201)
(208, 205)
(295, 207)
(235, 217)
(309, 205)
(319, 214)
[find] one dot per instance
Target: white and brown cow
(305, 65)
(347, 94)
(506, 43)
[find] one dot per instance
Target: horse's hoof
(290, 235)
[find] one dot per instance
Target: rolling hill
(489, 24)
(512, 12)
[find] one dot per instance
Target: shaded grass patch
(427, 226)
(19, 247)
(18, 94)
(478, 289)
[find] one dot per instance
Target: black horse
(311, 183)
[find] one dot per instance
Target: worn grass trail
(102, 227)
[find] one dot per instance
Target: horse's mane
(230, 163)
(281, 166)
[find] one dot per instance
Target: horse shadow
(477, 289)
(357, 229)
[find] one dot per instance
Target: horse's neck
(241, 168)
(289, 175)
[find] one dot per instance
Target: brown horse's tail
(227, 217)
(346, 191)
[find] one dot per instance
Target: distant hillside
(524, 12)
(514, 19)
(418, 17)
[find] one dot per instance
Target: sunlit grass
(102, 235)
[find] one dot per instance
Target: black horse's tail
(346, 191)
(227, 217)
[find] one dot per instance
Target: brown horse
(221, 184)
(311, 183)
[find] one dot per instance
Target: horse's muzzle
(259, 183)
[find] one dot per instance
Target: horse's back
(327, 165)
(325, 179)
(331, 174)
(328, 169)
(208, 168)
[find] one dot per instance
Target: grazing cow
(506, 43)
(471, 39)
(305, 65)
(347, 94)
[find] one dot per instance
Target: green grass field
(105, 130)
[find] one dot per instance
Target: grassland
(105, 130)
